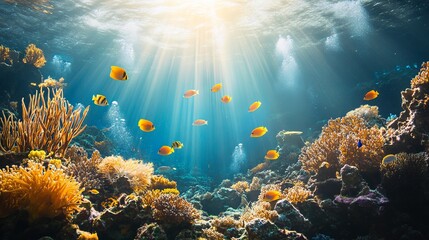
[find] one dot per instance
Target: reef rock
(410, 131)
(352, 182)
(290, 217)
(151, 232)
(261, 229)
(220, 200)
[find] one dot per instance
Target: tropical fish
(177, 145)
(100, 100)
(259, 132)
(254, 106)
(165, 169)
(191, 93)
(118, 73)
(226, 99)
(33, 84)
(272, 155)
(165, 150)
(389, 158)
(371, 95)
(146, 125)
(199, 122)
(272, 195)
(216, 87)
(359, 143)
(94, 191)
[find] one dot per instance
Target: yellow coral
(138, 173)
(39, 191)
(170, 191)
(83, 235)
(160, 182)
(241, 186)
(337, 145)
(38, 155)
(297, 194)
(50, 82)
(149, 197)
(34, 55)
(170, 208)
(55, 162)
(5, 54)
(422, 77)
(259, 209)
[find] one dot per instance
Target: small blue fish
(359, 143)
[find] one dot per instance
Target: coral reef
(48, 123)
(40, 191)
(172, 209)
(261, 229)
(34, 56)
(337, 145)
(259, 210)
(5, 55)
(297, 194)
(160, 182)
(409, 131)
(52, 83)
(369, 114)
(139, 174)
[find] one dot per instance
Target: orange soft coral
(172, 209)
(422, 77)
(138, 173)
(42, 192)
(337, 145)
(160, 182)
(34, 55)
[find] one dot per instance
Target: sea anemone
(42, 192)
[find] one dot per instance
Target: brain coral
(337, 145)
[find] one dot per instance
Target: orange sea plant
(34, 56)
(49, 123)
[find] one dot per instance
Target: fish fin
(198, 92)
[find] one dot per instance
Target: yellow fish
(254, 106)
(371, 95)
(165, 150)
(259, 132)
(146, 125)
(226, 99)
(100, 100)
(118, 73)
(191, 93)
(94, 191)
(272, 195)
(177, 145)
(272, 155)
(216, 87)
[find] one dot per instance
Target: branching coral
(149, 196)
(50, 82)
(297, 194)
(160, 182)
(172, 209)
(337, 146)
(48, 123)
(259, 210)
(138, 173)
(5, 54)
(224, 223)
(39, 191)
(241, 186)
(422, 77)
(368, 113)
(83, 169)
(34, 56)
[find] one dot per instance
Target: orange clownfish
(146, 125)
(259, 132)
(371, 95)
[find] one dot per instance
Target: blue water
(306, 61)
